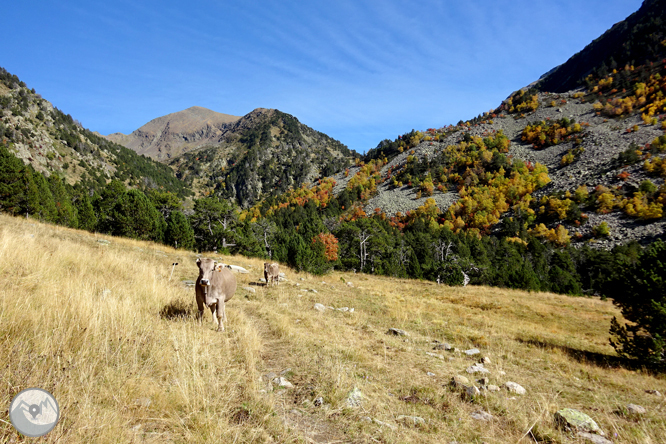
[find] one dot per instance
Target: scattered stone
(143, 402)
(434, 355)
(477, 368)
(483, 382)
(493, 388)
(313, 290)
(444, 346)
(594, 439)
(501, 373)
(514, 388)
(282, 382)
(653, 392)
(349, 284)
(354, 398)
(378, 422)
(319, 307)
(318, 401)
(634, 409)
(430, 374)
(298, 285)
(410, 420)
(237, 269)
(249, 289)
(285, 371)
(571, 419)
(137, 427)
(459, 381)
(480, 415)
(472, 351)
(270, 376)
(103, 241)
(485, 360)
(262, 280)
(397, 332)
(302, 279)
(343, 309)
(471, 391)
(351, 310)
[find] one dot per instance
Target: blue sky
(359, 71)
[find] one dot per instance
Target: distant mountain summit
(171, 135)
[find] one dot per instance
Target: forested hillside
(54, 143)
(637, 40)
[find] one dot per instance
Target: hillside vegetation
(54, 143)
(102, 324)
(263, 154)
(637, 40)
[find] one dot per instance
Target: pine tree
(135, 216)
(86, 213)
(640, 292)
(65, 210)
(31, 204)
(104, 202)
(179, 233)
(47, 208)
(12, 187)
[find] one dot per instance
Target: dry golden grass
(114, 339)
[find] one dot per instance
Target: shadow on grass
(177, 310)
(598, 359)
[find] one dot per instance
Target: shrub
(601, 230)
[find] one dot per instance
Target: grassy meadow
(101, 323)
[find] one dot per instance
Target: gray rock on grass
(572, 419)
(514, 388)
(397, 332)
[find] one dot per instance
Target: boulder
(634, 409)
(477, 368)
(282, 382)
(592, 438)
(480, 415)
(354, 398)
(397, 332)
(514, 388)
(458, 381)
(571, 419)
(410, 420)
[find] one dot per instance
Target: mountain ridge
(170, 135)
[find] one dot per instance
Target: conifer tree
(47, 208)
(65, 210)
(135, 216)
(12, 186)
(640, 292)
(86, 213)
(179, 233)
